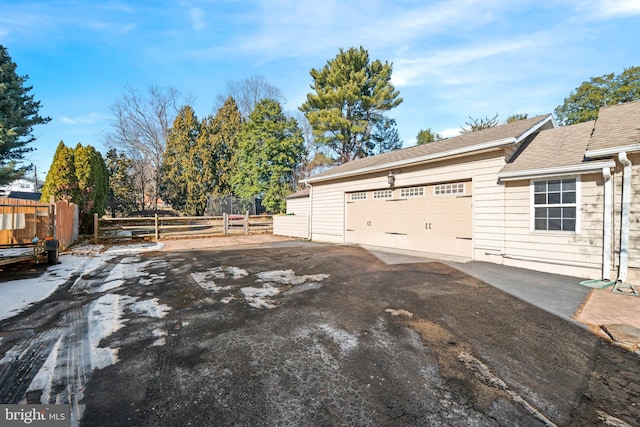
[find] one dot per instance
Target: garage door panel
(429, 223)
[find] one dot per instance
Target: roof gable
(552, 150)
(464, 144)
(617, 129)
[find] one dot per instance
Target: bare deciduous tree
(141, 124)
(479, 124)
(248, 92)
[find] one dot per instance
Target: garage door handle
(397, 234)
(463, 197)
(464, 238)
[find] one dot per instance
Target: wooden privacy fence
(22, 220)
(67, 223)
(186, 226)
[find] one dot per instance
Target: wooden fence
(157, 228)
(22, 220)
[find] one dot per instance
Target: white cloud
(608, 9)
(408, 72)
(197, 19)
(304, 28)
(84, 119)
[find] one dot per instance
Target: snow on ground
(288, 277)
(104, 319)
(150, 308)
(257, 297)
(267, 283)
(17, 295)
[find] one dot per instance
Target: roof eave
(580, 169)
(612, 151)
(500, 143)
(418, 160)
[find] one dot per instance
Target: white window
(359, 196)
(383, 194)
(555, 205)
(448, 189)
(412, 192)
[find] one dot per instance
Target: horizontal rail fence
(186, 226)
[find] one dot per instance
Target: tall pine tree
(61, 181)
(18, 115)
(227, 124)
(93, 183)
(178, 164)
(270, 146)
(80, 176)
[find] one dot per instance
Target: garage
(433, 218)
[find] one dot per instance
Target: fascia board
(603, 152)
(536, 128)
(417, 160)
(555, 171)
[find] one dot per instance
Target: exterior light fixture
(391, 179)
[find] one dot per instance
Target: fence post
(246, 223)
(95, 228)
(157, 230)
(225, 224)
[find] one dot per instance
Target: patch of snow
(150, 308)
(44, 378)
(112, 284)
(256, 297)
(207, 279)
(237, 273)
(160, 336)
(18, 295)
(288, 277)
(227, 300)
(104, 318)
(135, 249)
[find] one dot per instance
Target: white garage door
(429, 218)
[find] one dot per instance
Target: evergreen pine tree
(93, 183)
(61, 181)
(18, 115)
(227, 123)
(121, 197)
(178, 162)
(270, 146)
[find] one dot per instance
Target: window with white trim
(555, 205)
(412, 192)
(362, 195)
(383, 194)
(447, 189)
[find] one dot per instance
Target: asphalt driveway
(306, 334)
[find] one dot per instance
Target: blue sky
(451, 59)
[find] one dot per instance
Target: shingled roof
(552, 149)
(467, 143)
(617, 128)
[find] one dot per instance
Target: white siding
(299, 206)
(577, 254)
(328, 198)
(291, 226)
(634, 220)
